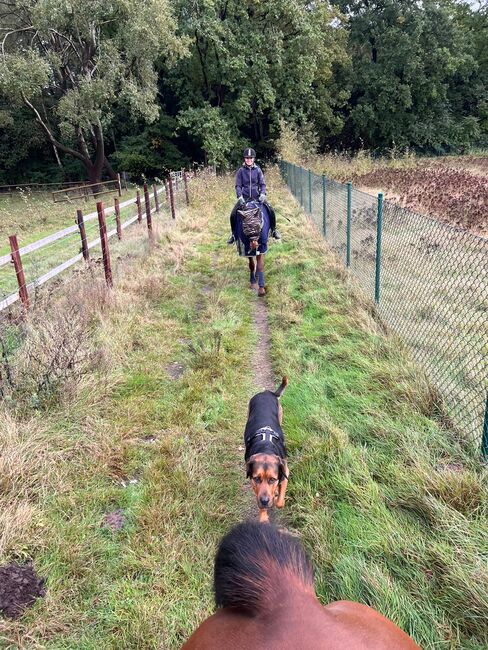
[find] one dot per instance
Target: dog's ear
(281, 470)
(249, 468)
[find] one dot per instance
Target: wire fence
(429, 281)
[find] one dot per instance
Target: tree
(413, 65)
(72, 64)
(251, 65)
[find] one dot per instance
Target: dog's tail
(253, 561)
(279, 391)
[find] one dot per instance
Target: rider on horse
(252, 219)
(250, 185)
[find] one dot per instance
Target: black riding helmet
(249, 153)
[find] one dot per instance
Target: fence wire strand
(433, 291)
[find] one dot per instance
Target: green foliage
(413, 67)
(252, 65)
(151, 153)
(75, 63)
(212, 130)
(387, 74)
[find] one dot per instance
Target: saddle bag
(252, 221)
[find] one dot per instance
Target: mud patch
(114, 520)
(20, 586)
(175, 370)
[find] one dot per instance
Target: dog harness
(266, 434)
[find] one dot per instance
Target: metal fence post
(147, 202)
(84, 244)
(348, 225)
(310, 191)
(379, 226)
(117, 218)
(19, 271)
(104, 241)
(301, 185)
(484, 439)
(324, 205)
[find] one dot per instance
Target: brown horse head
(264, 589)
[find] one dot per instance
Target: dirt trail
(263, 372)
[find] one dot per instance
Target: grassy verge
(149, 430)
(149, 420)
(393, 508)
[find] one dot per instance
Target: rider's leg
(233, 224)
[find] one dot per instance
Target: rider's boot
(231, 239)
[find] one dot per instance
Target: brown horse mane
(253, 562)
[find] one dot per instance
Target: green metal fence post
(310, 191)
(379, 227)
(348, 225)
(324, 205)
(484, 439)
(301, 186)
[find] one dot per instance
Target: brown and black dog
(265, 455)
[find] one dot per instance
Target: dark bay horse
(264, 589)
(252, 242)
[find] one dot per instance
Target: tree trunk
(110, 171)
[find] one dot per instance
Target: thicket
(110, 85)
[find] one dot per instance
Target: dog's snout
(264, 501)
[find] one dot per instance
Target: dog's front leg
(280, 501)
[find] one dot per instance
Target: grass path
(390, 506)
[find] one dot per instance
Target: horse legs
(260, 275)
(252, 273)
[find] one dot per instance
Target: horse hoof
(261, 291)
(253, 286)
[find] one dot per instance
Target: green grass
(390, 506)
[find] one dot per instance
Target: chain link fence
(429, 280)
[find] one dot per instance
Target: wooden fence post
(185, 181)
(117, 218)
(104, 240)
(171, 198)
(84, 244)
(119, 186)
(156, 199)
(139, 209)
(148, 207)
(19, 271)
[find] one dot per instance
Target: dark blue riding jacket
(250, 182)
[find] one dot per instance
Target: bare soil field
(453, 189)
